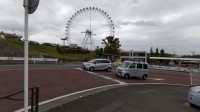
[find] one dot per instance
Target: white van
(130, 69)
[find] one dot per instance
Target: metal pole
(64, 52)
(191, 78)
(32, 99)
(90, 22)
(37, 99)
(26, 56)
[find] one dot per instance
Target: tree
(99, 52)
(157, 52)
(112, 45)
(151, 52)
(162, 52)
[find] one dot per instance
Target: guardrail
(34, 98)
(181, 69)
(30, 59)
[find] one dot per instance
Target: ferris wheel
(91, 21)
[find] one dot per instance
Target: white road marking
(155, 79)
(105, 77)
(79, 69)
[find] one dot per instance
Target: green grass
(40, 50)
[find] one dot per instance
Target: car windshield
(92, 61)
(125, 64)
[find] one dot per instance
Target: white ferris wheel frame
(89, 9)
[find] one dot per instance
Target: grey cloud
(146, 23)
(138, 23)
(170, 24)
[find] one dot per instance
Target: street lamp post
(29, 6)
(63, 39)
(26, 56)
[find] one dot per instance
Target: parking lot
(59, 80)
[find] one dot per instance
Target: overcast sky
(172, 25)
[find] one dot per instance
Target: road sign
(32, 6)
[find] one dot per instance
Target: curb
(58, 101)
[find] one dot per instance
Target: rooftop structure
(10, 36)
(140, 56)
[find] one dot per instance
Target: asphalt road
(134, 98)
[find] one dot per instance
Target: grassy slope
(38, 50)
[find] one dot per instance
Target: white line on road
(155, 79)
(103, 76)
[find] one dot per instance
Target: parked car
(97, 64)
(130, 69)
(194, 95)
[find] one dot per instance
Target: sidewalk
(133, 98)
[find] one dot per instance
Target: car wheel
(109, 69)
(91, 69)
(144, 77)
(126, 76)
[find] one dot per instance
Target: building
(10, 36)
(73, 45)
(140, 56)
(2, 35)
(180, 61)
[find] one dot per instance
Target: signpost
(29, 6)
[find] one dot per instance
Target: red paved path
(52, 82)
(169, 77)
(58, 82)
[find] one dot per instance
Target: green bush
(37, 50)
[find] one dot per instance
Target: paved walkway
(133, 98)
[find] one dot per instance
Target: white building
(2, 36)
(73, 45)
(140, 56)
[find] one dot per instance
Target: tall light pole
(29, 6)
(63, 39)
(26, 56)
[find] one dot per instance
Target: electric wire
(12, 13)
(7, 25)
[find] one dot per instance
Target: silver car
(194, 95)
(132, 69)
(97, 64)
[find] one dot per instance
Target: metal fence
(20, 60)
(194, 78)
(170, 68)
(34, 97)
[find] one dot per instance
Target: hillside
(15, 49)
(7, 50)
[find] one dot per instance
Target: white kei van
(130, 69)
